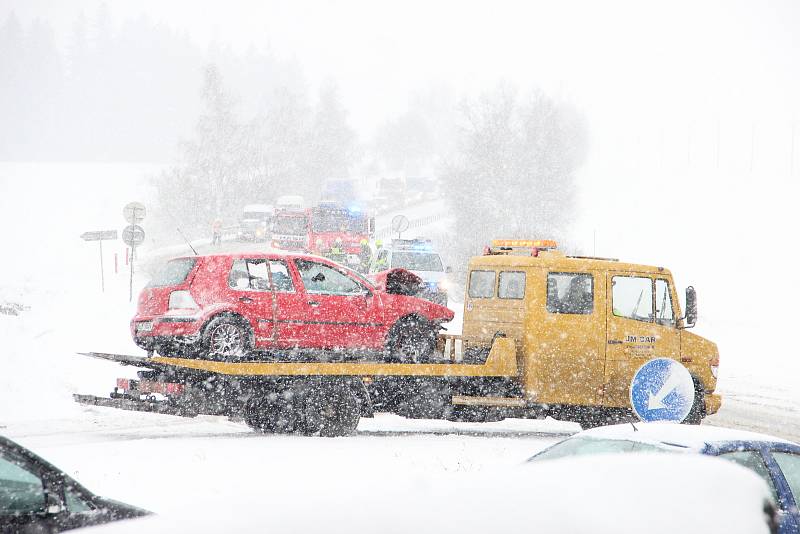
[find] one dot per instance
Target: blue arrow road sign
(662, 390)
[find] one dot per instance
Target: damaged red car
(286, 305)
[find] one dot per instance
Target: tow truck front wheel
(227, 338)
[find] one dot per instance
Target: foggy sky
(621, 62)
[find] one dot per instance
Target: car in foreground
(775, 460)
(613, 494)
(35, 496)
(228, 305)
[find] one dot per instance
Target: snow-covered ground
(155, 461)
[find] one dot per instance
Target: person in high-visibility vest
(380, 259)
(364, 256)
(216, 232)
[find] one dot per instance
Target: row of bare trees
(290, 147)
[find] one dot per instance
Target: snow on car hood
(629, 493)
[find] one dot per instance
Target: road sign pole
(130, 291)
(102, 273)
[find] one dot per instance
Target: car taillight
(182, 300)
(713, 362)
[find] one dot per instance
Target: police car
(419, 257)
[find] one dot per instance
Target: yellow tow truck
(544, 334)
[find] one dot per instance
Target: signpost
(662, 390)
(400, 224)
(100, 236)
(133, 234)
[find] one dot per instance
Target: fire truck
(336, 232)
(290, 229)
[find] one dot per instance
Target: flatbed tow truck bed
(326, 397)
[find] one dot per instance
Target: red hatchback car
(228, 305)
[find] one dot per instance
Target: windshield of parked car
(417, 261)
(585, 446)
(173, 273)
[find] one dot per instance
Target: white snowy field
(169, 464)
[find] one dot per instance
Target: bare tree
(514, 173)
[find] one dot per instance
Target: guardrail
(386, 231)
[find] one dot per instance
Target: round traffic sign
(133, 235)
(134, 212)
(399, 223)
(662, 390)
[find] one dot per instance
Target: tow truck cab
(582, 326)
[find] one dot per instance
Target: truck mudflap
(713, 403)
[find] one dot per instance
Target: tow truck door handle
(313, 303)
(246, 300)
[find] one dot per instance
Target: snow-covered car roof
(601, 494)
(690, 436)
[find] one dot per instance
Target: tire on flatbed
(412, 339)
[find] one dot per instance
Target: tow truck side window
(481, 284)
(512, 285)
(664, 313)
(632, 297)
(571, 293)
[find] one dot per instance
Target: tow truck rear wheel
(227, 337)
(412, 340)
(271, 412)
(332, 409)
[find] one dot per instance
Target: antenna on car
(187, 241)
(634, 427)
(181, 233)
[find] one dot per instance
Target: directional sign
(662, 390)
(100, 235)
(134, 212)
(399, 223)
(133, 235)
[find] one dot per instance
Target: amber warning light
(516, 246)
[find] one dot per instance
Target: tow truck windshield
(417, 261)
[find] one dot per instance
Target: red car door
(249, 292)
(291, 314)
(339, 311)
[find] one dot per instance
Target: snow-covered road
(159, 462)
(170, 464)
